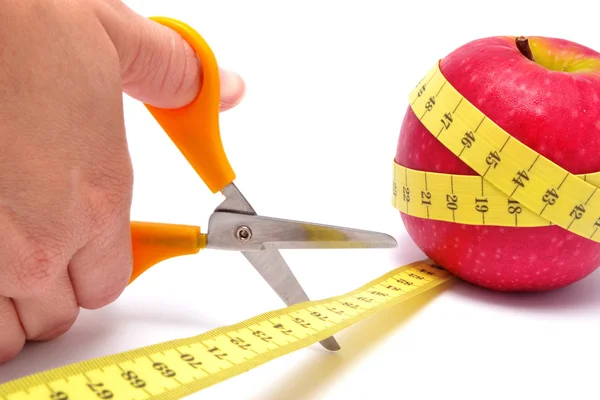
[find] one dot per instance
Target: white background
(314, 140)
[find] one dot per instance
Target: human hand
(66, 181)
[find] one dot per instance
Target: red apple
(552, 105)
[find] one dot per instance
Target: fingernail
(233, 88)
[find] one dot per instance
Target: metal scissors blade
(269, 263)
(260, 232)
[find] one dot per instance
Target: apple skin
(552, 105)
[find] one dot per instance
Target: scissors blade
(269, 263)
(266, 232)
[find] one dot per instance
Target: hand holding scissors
(234, 225)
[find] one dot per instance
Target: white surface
(314, 140)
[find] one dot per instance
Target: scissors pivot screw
(243, 233)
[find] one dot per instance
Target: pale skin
(67, 178)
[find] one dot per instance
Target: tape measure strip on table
(465, 199)
(519, 172)
(181, 367)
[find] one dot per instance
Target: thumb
(158, 66)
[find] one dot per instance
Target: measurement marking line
(533, 163)
(460, 101)
(502, 148)
(487, 170)
(440, 132)
(441, 87)
(480, 122)
(563, 181)
(595, 189)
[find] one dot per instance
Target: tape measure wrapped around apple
(496, 168)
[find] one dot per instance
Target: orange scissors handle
(195, 131)
(195, 128)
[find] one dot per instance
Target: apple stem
(523, 46)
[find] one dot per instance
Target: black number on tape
(430, 103)
(468, 139)
(301, 322)
(421, 91)
(481, 204)
(394, 288)
(416, 276)
(241, 343)
(215, 351)
(550, 197)
(163, 369)
(493, 159)
(133, 379)
(282, 329)
(335, 310)
(262, 335)
(452, 202)
(100, 393)
(425, 198)
(59, 396)
(378, 293)
(447, 120)
(350, 305)
(191, 361)
(406, 193)
(403, 281)
(514, 207)
(577, 211)
(319, 315)
(520, 178)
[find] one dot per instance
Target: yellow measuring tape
(516, 185)
(181, 367)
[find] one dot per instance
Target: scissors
(234, 225)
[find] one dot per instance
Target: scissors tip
(330, 344)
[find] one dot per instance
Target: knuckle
(58, 328)
(112, 293)
(109, 197)
(37, 265)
